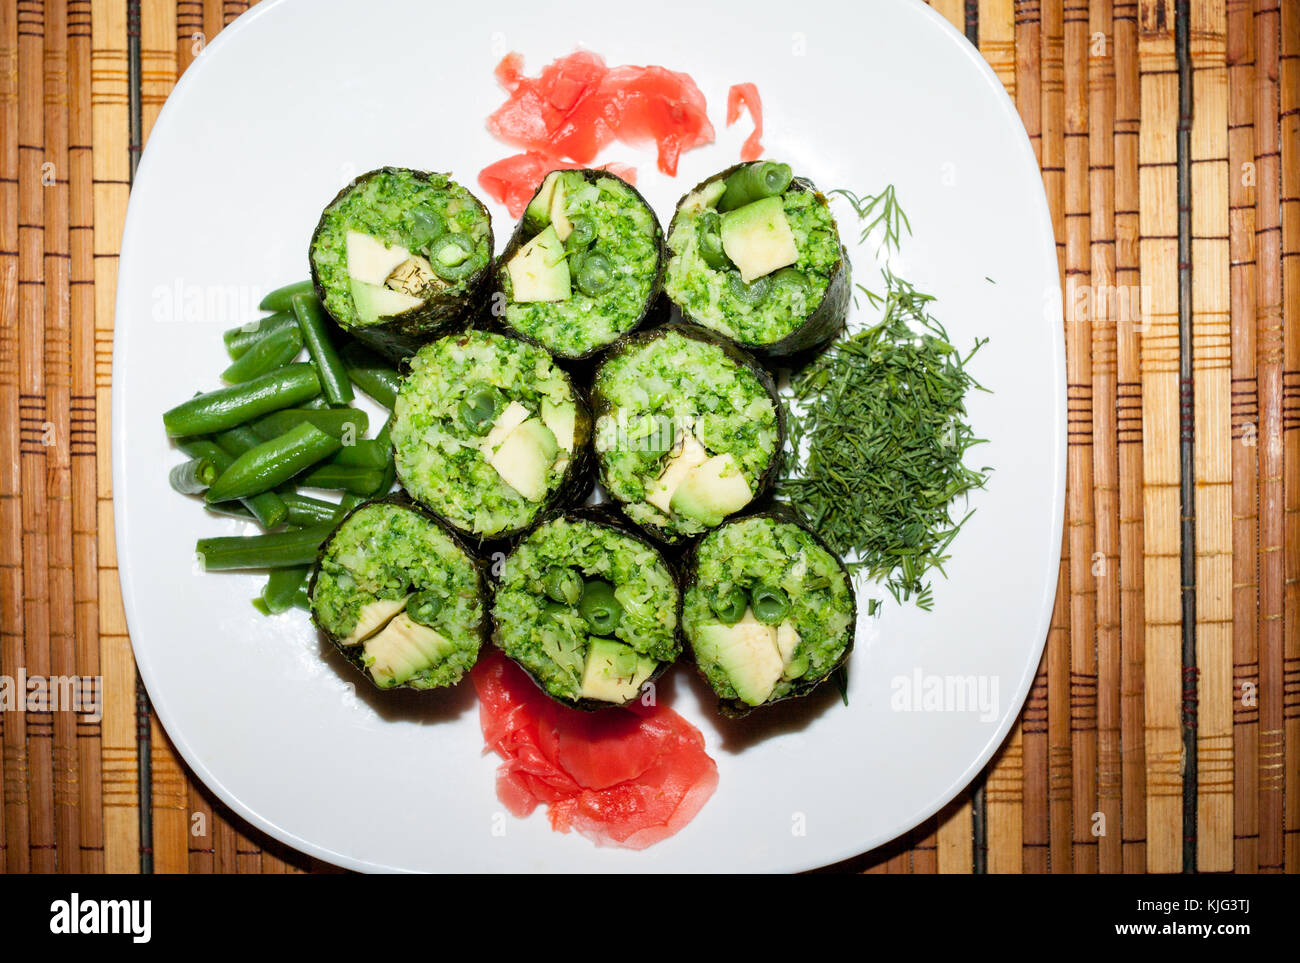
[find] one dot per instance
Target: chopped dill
(879, 210)
(884, 421)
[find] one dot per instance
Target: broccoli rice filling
(752, 556)
(402, 207)
(387, 553)
(659, 392)
(771, 308)
(461, 391)
(545, 629)
(611, 252)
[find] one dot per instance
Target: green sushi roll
(755, 255)
(400, 596)
(768, 611)
(589, 609)
(400, 256)
(689, 429)
(584, 267)
(489, 433)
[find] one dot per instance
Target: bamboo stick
(1084, 572)
(81, 438)
(997, 40)
(190, 35)
(1128, 432)
(1004, 787)
(1240, 58)
(954, 11)
(1004, 805)
(33, 422)
(1028, 39)
(1289, 134)
(955, 843)
(15, 795)
(1158, 247)
(1107, 825)
(58, 480)
(1212, 375)
(111, 164)
(1269, 369)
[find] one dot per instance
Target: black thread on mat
(143, 712)
(1187, 432)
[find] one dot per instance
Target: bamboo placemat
(1162, 732)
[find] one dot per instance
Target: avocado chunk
(747, 652)
(711, 491)
(787, 643)
(525, 457)
(563, 226)
(562, 419)
(538, 213)
(373, 617)
(758, 239)
(412, 276)
(370, 260)
(403, 649)
(511, 417)
(690, 455)
(373, 301)
(614, 671)
(539, 271)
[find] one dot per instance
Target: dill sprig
(879, 210)
(884, 419)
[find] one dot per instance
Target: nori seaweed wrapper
(781, 512)
(652, 308)
(400, 499)
(607, 517)
(767, 480)
(402, 334)
(824, 322)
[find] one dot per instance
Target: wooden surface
(1162, 732)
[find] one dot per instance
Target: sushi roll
(400, 596)
(755, 255)
(400, 256)
(585, 265)
(588, 608)
(768, 611)
(489, 433)
(689, 429)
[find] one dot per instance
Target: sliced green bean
(193, 476)
(239, 340)
(282, 586)
(371, 373)
(599, 607)
(302, 600)
(708, 234)
(753, 182)
(770, 604)
(359, 481)
(595, 275)
(276, 550)
(424, 607)
(753, 293)
(563, 585)
(366, 453)
(267, 508)
(271, 352)
(729, 606)
(225, 408)
(452, 257)
(232, 510)
(478, 409)
(273, 462)
(332, 421)
(305, 510)
(281, 299)
(335, 385)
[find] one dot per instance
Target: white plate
(296, 98)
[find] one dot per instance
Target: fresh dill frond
(879, 210)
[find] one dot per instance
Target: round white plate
(298, 97)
